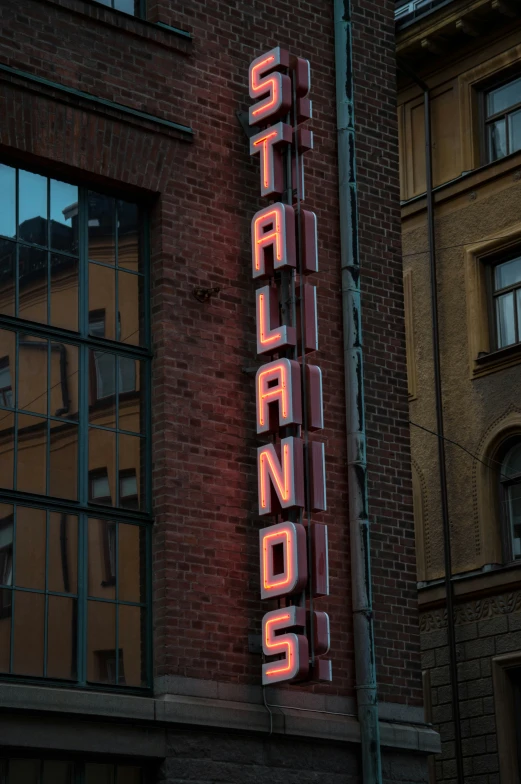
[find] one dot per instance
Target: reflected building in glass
(73, 432)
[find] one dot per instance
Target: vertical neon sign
(293, 550)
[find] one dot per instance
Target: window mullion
(83, 434)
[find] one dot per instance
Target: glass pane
(132, 561)
(102, 223)
(64, 292)
(131, 645)
(7, 450)
(130, 409)
(64, 216)
(129, 775)
(496, 140)
(32, 374)
(130, 448)
(32, 454)
(506, 330)
(32, 281)
(24, 771)
(99, 774)
(32, 208)
(7, 201)
(7, 367)
(102, 463)
(127, 375)
(129, 324)
(503, 97)
(6, 545)
(5, 629)
(64, 380)
(7, 277)
(102, 410)
(507, 274)
(101, 642)
(128, 234)
(30, 547)
(514, 509)
(63, 460)
(56, 772)
(63, 552)
(28, 633)
(61, 638)
(102, 466)
(514, 131)
(128, 6)
(102, 539)
(102, 301)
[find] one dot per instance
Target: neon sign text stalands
(293, 550)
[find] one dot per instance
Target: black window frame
(486, 120)
(493, 293)
(83, 508)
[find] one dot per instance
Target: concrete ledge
(151, 717)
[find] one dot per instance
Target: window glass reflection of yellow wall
(39, 407)
(40, 556)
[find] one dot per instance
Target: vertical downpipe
(363, 628)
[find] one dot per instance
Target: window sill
(496, 579)
(497, 360)
(156, 32)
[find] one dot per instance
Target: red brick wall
(205, 538)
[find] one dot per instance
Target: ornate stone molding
(473, 611)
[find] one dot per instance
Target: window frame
(485, 121)
(83, 507)
(142, 10)
(504, 511)
(492, 294)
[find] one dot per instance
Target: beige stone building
(468, 54)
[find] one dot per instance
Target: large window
(506, 301)
(37, 771)
(503, 119)
(74, 451)
(511, 501)
(134, 7)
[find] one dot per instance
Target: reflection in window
(503, 120)
(511, 491)
(507, 302)
(6, 388)
(6, 564)
(55, 384)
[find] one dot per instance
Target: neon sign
(293, 552)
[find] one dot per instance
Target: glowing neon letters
(269, 145)
(265, 79)
(288, 391)
(278, 388)
(280, 470)
(271, 334)
(293, 647)
(273, 239)
(282, 559)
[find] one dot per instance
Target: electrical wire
(460, 446)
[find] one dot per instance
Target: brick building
(462, 60)
(130, 610)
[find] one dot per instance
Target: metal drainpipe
(439, 422)
(363, 630)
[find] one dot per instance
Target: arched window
(511, 501)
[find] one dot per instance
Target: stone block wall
(484, 629)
